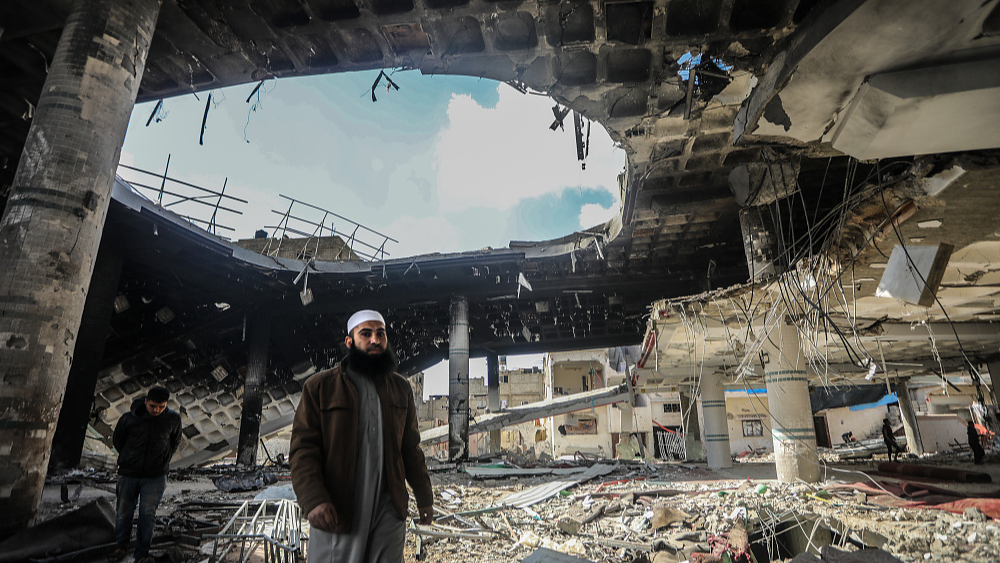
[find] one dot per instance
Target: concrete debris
(667, 513)
(93, 524)
(629, 512)
(544, 555)
(829, 554)
(250, 481)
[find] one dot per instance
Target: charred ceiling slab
(407, 37)
(629, 22)
(569, 22)
(811, 84)
(320, 54)
(761, 183)
(361, 46)
(387, 7)
(445, 4)
(692, 17)
(627, 102)
(925, 110)
(628, 65)
(334, 10)
(577, 68)
(462, 35)
(513, 31)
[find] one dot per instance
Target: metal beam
(532, 411)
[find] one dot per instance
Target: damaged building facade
(809, 202)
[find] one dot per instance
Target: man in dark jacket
(146, 438)
(890, 440)
(355, 445)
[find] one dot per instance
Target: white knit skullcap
(363, 316)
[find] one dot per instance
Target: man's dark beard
(378, 365)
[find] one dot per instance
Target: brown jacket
(323, 451)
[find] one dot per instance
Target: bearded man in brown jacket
(354, 446)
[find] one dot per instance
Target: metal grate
(271, 526)
(186, 196)
(315, 218)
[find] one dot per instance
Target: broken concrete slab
(93, 524)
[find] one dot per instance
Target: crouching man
(355, 445)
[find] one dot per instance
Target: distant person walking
(978, 453)
(146, 438)
(890, 440)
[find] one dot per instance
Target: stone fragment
(974, 514)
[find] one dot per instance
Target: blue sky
(445, 164)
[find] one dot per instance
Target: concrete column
(792, 427)
(693, 450)
(71, 430)
(458, 380)
(253, 389)
(913, 441)
(51, 230)
(493, 394)
(713, 405)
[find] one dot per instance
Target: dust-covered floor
(660, 512)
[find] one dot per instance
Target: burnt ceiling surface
(720, 105)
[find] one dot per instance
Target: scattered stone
(974, 514)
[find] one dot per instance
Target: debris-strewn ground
(639, 511)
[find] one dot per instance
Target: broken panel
(361, 47)
(274, 59)
(386, 7)
(406, 37)
(764, 252)
(692, 17)
(570, 22)
(578, 68)
(281, 13)
(320, 53)
(512, 32)
(154, 80)
(707, 143)
(187, 72)
(629, 22)
(627, 102)
(334, 10)
(628, 65)
(463, 36)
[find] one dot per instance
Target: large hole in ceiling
(438, 163)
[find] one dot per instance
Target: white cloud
(593, 214)
(421, 235)
(493, 157)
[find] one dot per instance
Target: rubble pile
(673, 513)
(556, 511)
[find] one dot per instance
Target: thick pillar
(493, 395)
(713, 405)
(71, 430)
(792, 427)
(458, 380)
(913, 441)
(253, 389)
(693, 450)
(51, 230)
